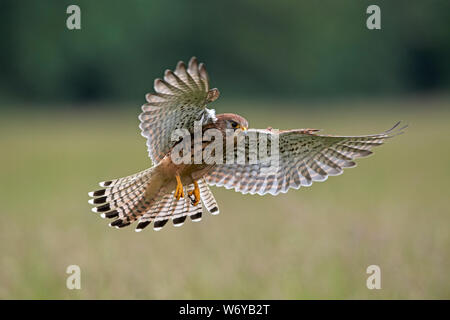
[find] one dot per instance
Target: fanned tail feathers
(124, 200)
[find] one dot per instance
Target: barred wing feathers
(179, 100)
(304, 157)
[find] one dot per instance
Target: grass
(316, 242)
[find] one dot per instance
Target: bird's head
(232, 121)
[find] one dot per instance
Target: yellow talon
(196, 193)
(179, 193)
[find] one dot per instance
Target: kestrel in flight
(173, 190)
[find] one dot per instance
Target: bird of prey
(170, 190)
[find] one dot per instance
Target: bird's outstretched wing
(179, 100)
(302, 157)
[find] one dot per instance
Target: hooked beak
(243, 128)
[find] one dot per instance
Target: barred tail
(126, 201)
(122, 198)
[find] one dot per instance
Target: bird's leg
(179, 193)
(196, 193)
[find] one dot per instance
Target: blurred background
(69, 101)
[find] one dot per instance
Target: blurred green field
(392, 211)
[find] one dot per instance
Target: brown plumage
(174, 190)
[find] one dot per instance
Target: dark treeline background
(277, 49)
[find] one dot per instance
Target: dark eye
(234, 124)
